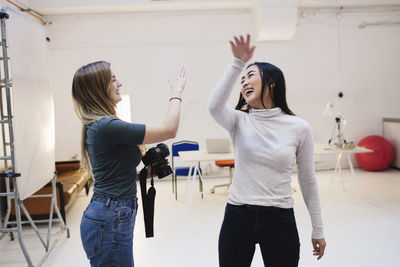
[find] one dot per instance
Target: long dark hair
(272, 78)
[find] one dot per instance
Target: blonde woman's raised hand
(178, 83)
(241, 48)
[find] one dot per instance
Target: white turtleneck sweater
(266, 144)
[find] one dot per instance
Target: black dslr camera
(155, 157)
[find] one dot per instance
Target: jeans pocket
(91, 235)
(125, 214)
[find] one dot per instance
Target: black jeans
(274, 229)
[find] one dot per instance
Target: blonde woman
(110, 151)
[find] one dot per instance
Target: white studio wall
(32, 101)
(142, 60)
(326, 56)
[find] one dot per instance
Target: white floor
(360, 231)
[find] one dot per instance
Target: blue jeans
(107, 231)
(274, 229)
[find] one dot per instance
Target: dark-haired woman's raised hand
(241, 48)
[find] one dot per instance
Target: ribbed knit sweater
(267, 142)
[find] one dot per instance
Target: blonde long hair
(90, 93)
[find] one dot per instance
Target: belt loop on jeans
(108, 202)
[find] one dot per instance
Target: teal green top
(114, 156)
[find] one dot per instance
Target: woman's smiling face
(251, 91)
(251, 87)
(114, 93)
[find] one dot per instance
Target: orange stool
(225, 163)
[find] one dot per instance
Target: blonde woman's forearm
(169, 126)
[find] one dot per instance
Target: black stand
(340, 137)
(148, 198)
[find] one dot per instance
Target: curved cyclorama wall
(32, 101)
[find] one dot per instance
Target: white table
(202, 155)
(321, 149)
(196, 156)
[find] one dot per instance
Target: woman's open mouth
(248, 91)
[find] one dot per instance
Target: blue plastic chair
(183, 170)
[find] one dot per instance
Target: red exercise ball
(380, 158)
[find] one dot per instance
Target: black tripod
(340, 136)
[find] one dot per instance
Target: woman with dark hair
(267, 138)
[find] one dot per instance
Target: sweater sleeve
(308, 181)
(217, 102)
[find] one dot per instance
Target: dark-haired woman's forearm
(217, 102)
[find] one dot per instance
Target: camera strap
(148, 198)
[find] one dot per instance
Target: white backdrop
(146, 48)
(33, 105)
